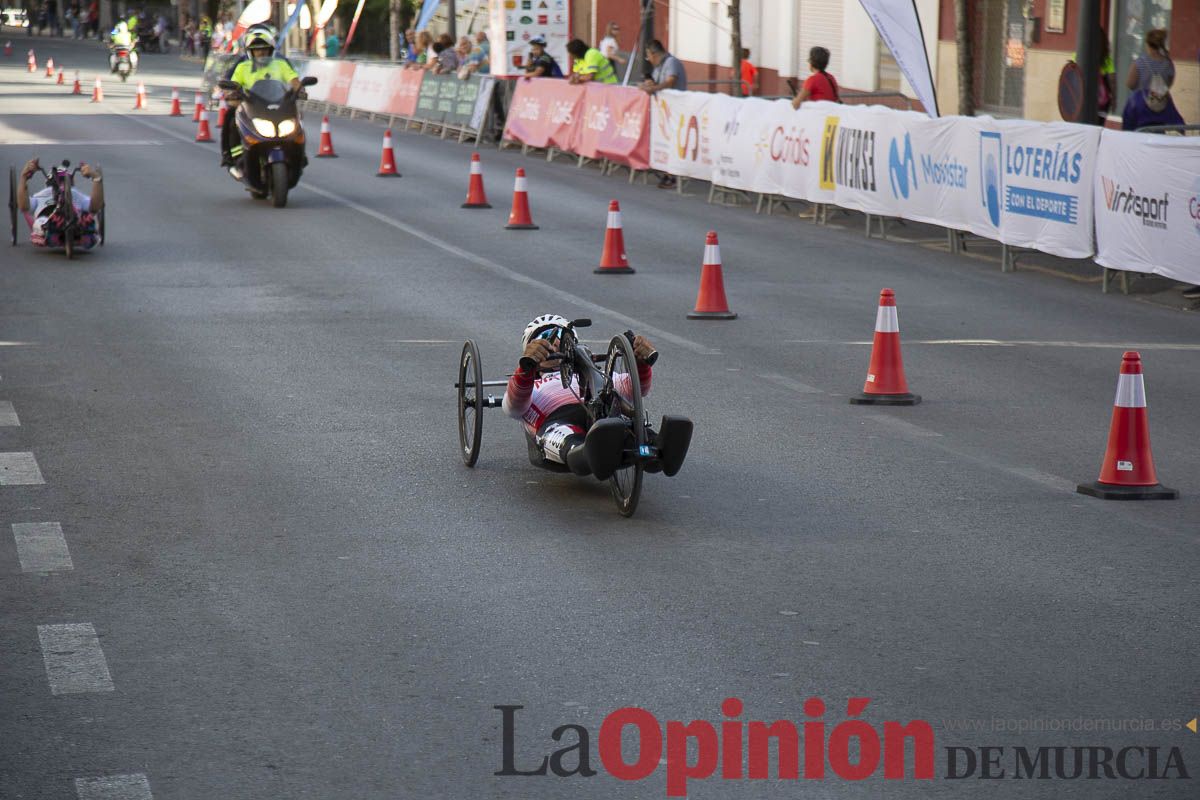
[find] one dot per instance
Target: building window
(1131, 20)
(887, 73)
(1000, 70)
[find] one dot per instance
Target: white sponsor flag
(899, 26)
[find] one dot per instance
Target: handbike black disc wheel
(621, 380)
(470, 403)
(12, 202)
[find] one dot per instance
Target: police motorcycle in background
(122, 57)
(268, 122)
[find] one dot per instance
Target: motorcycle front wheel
(279, 183)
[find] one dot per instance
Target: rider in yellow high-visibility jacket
(260, 64)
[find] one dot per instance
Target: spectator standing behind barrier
(590, 64)
(1151, 77)
(408, 46)
(609, 46)
(332, 44)
(667, 73)
(447, 57)
(749, 75)
(424, 49)
(820, 85)
(541, 64)
(480, 59)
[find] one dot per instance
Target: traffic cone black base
(614, 270)
(906, 399)
(712, 315)
(478, 205)
(1106, 491)
(521, 227)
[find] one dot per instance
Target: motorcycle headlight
(287, 127)
(265, 127)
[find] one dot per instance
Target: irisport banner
(1147, 199)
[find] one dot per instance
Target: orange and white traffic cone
(139, 100)
(50, 68)
(222, 111)
(710, 300)
(519, 219)
(97, 92)
(31, 62)
(476, 196)
(199, 109)
(387, 160)
(176, 110)
(61, 81)
(1127, 472)
(886, 384)
(326, 148)
(203, 134)
(77, 88)
(612, 257)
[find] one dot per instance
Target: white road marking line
(904, 426)
(512, 275)
(14, 344)
(791, 383)
(1019, 343)
(1046, 478)
(74, 661)
(481, 261)
(19, 469)
(41, 547)
(114, 787)
(79, 142)
(8, 414)
(422, 341)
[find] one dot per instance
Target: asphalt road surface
(272, 576)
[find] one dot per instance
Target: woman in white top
(609, 46)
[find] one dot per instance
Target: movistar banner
(899, 26)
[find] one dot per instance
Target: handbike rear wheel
(626, 482)
(470, 403)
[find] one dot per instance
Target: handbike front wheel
(621, 379)
(470, 403)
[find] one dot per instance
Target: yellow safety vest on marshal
(245, 75)
(594, 63)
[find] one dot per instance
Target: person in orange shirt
(749, 75)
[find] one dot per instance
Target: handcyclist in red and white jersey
(554, 420)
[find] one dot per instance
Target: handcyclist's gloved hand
(537, 350)
(88, 171)
(30, 169)
(642, 349)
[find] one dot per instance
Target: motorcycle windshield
(269, 91)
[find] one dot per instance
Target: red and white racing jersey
(532, 399)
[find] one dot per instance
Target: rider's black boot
(605, 446)
(674, 438)
(577, 460)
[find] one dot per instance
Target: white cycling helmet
(542, 324)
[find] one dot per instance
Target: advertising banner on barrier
(341, 76)
(370, 89)
(487, 85)
(1147, 200)
(681, 133)
(403, 92)
(613, 125)
(544, 112)
(1033, 183)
